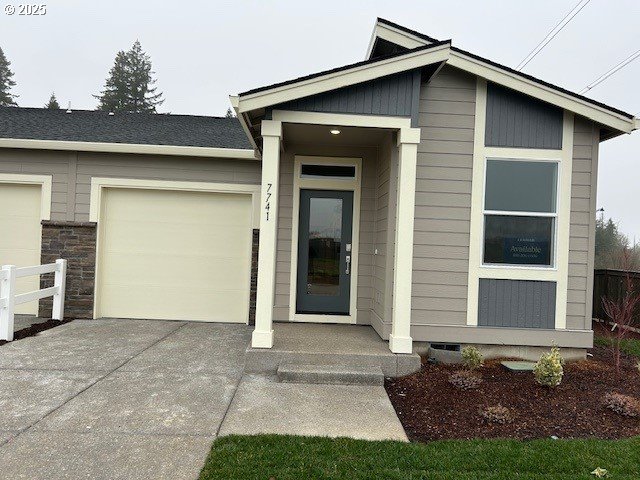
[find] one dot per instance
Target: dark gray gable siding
(516, 120)
(516, 303)
(395, 95)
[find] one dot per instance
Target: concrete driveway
(125, 399)
(116, 399)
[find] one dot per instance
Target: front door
(324, 252)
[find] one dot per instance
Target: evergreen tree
(230, 113)
(613, 249)
(129, 87)
(52, 104)
(6, 82)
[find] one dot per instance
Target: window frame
(554, 215)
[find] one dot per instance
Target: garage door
(174, 255)
(20, 234)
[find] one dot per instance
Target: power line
(551, 35)
(618, 67)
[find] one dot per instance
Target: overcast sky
(202, 51)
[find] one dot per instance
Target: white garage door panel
(174, 255)
(20, 234)
(204, 273)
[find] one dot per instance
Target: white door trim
(98, 184)
(353, 185)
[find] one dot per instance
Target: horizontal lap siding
(383, 183)
(581, 235)
(443, 199)
(152, 167)
(41, 162)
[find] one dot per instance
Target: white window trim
(500, 156)
(346, 184)
(477, 270)
(45, 182)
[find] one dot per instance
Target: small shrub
(548, 370)
(472, 358)
(497, 414)
(622, 404)
(465, 380)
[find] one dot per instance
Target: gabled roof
(420, 50)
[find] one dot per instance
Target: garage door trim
(45, 182)
(98, 184)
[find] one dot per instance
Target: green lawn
(286, 458)
(630, 346)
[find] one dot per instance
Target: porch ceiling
(303, 134)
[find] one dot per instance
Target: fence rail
(611, 284)
(9, 298)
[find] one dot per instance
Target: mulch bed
(35, 329)
(430, 408)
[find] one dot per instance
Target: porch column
(262, 336)
(400, 337)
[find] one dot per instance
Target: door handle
(348, 259)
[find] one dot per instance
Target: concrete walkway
(123, 399)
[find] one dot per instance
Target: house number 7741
(267, 203)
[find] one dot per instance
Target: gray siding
(72, 173)
(516, 303)
(367, 225)
(393, 95)
(582, 230)
(516, 120)
(383, 205)
(443, 199)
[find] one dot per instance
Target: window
(520, 211)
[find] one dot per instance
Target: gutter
(212, 152)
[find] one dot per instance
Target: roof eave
(343, 78)
(395, 35)
(134, 148)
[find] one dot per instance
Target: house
(428, 192)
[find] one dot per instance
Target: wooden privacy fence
(611, 284)
(9, 297)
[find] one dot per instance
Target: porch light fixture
(335, 131)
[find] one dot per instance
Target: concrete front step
(331, 374)
(267, 361)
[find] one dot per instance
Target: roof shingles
(126, 128)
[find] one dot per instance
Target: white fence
(9, 298)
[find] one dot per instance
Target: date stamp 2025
(26, 9)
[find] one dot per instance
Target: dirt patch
(431, 408)
(35, 329)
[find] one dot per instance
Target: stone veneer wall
(254, 276)
(75, 242)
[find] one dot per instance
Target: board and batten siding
(516, 120)
(367, 226)
(443, 199)
(583, 218)
(517, 303)
(395, 95)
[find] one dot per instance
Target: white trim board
(45, 182)
(428, 56)
(99, 183)
(393, 35)
(558, 272)
(355, 186)
(128, 148)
